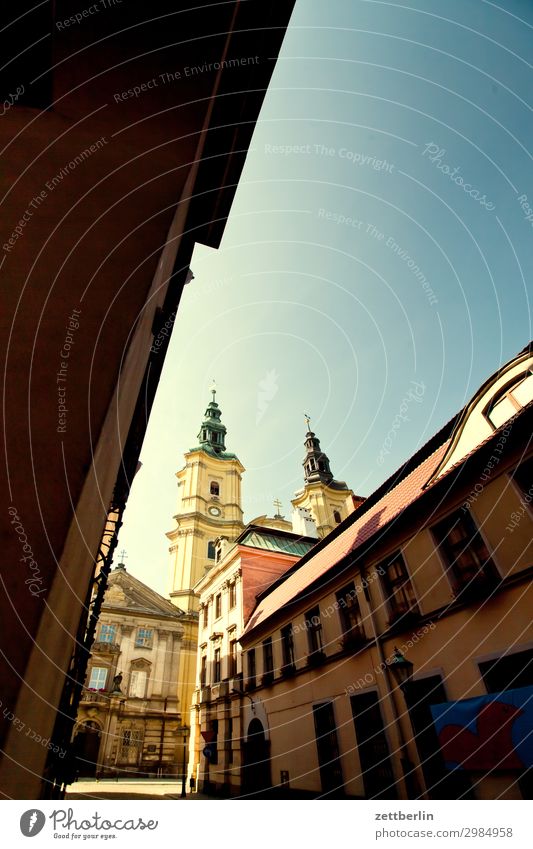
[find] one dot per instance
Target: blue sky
(378, 243)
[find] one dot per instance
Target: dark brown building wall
(94, 173)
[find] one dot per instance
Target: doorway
(86, 748)
(256, 765)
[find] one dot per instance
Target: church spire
(316, 463)
(212, 432)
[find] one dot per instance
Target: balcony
(477, 588)
(95, 696)
(103, 647)
(219, 690)
(316, 658)
(288, 670)
(205, 695)
(236, 682)
(405, 617)
(353, 640)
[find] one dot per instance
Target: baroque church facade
(132, 719)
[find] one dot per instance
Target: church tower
(328, 501)
(209, 507)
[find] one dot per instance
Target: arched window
(214, 488)
(337, 516)
(211, 549)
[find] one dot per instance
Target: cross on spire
(214, 388)
(278, 505)
(307, 421)
(122, 555)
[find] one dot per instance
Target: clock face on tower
(214, 511)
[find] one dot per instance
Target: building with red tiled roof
(227, 592)
(426, 585)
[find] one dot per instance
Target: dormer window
(214, 488)
(510, 399)
(337, 516)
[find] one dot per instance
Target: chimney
(303, 523)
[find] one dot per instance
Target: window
(206, 615)
(268, 661)
(216, 667)
(108, 633)
(250, 662)
(350, 614)
(398, 588)
(214, 488)
(218, 606)
(98, 678)
(508, 672)
(203, 670)
(232, 659)
(510, 399)
(337, 516)
(211, 549)
(144, 637)
(314, 630)
(327, 748)
(287, 646)
(232, 594)
(523, 476)
(465, 553)
(130, 745)
(138, 680)
(268, 657)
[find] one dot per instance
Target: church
(218, 564)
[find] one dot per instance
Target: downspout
(162, 738)
(410, 777)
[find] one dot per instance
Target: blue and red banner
(487, 732)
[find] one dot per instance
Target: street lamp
(402, 670)
(185, 731)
